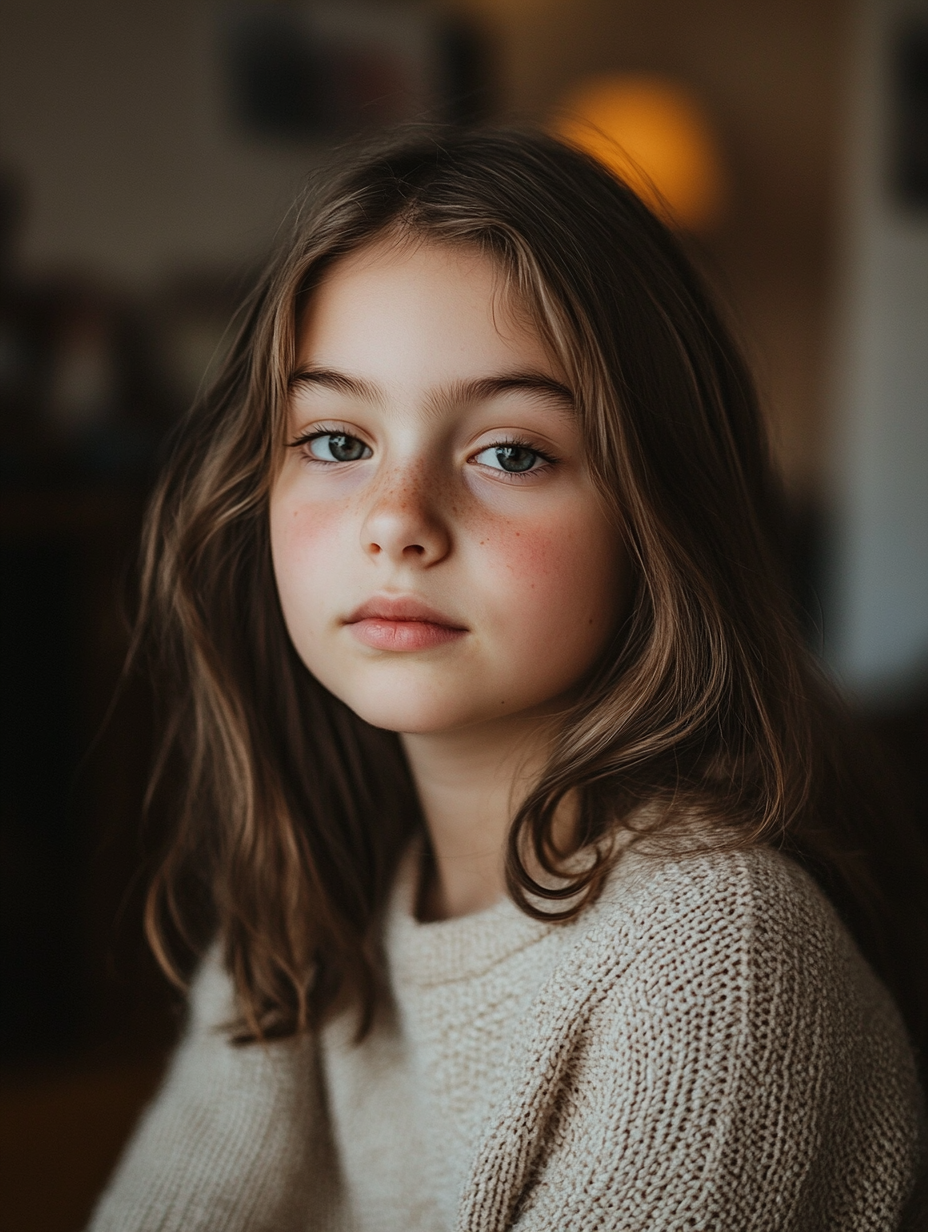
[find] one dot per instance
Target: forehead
(399, 310)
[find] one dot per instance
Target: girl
(506, 768)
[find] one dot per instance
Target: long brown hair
(706, 715)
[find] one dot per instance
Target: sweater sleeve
(734, 1064)
(235, 1139)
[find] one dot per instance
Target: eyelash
(511, 442)
(515, 442)
(303, 441)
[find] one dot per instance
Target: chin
(407, 718)
(410, 706)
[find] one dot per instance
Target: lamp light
(653, 133)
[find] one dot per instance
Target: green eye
(338, 447)
(515, 459)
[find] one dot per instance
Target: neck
(470, 783)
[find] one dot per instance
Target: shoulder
(721, 1035)
(738, 882)
(741, 902)
(736, 964)
(232, 1136)
(740, 950)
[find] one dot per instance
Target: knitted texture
(704, 1048)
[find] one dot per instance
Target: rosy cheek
(535, 556)
(536, 564)
(308, 522)
(303, 542)
(299, 523)
(557, 577)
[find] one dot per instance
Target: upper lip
(399, 607)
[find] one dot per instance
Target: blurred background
(150, 150)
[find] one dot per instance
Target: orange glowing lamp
(652, 133)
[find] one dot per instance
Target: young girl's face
(442, 556)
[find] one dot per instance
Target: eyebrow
(329, 378)
(480, 389)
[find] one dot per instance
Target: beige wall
(112, 111)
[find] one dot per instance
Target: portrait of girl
(535, 878)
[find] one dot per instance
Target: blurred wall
(113, 114)
(879, 600)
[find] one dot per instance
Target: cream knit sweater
(703, 1049)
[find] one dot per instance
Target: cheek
(560, 581)
(305, 542)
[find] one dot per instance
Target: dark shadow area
(87, 1020)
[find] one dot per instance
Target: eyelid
(517, 441)
(327, 428)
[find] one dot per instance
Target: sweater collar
(448, 950)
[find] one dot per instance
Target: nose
(404, 523)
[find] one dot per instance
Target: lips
(402, 624)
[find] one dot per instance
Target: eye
(337, 447)
(514, 458)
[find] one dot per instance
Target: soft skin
(415, 369)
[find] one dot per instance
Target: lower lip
(403, 635)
